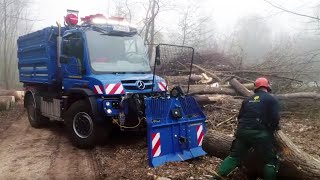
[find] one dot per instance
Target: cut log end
(6, 102)
(18, 95)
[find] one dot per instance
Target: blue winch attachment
(176, 128)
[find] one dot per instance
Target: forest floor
(29, 153)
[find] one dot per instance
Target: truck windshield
(117, 54)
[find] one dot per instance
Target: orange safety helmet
(262, 82)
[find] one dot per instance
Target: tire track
(29, 153)
(22, 151)
(6, 124)
(96, 164)
(55, 141)
(68, 162)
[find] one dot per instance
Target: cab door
(72, 60)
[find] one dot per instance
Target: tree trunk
(152, 26)
(306, 95)
(175, 80)
(218, 98)
(5, 37)
(283, 98)
(249, 86)
(240, 88)
(206, 89)
(295, 164)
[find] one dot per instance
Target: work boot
(269, 172)
(216, 176)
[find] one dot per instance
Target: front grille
(136, 88)
(134, 81)
(131, 84)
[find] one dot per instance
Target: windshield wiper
(144, 72)
(119, 72)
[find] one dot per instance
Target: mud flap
(176, 128)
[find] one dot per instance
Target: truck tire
(83, 130)
(36, 120)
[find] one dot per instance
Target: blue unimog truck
(96, 76)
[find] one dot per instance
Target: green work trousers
(262, 142)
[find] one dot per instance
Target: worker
(258, 119)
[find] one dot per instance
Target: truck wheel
(36, 120)
(81, 125)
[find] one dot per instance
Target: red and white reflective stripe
(156, 145)
(162, 86)
(114, 89)
(200, 135)
(98, 89)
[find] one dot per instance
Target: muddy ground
(28, 153)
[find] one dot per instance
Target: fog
(257, 25)
(224, 13)
(251, 33)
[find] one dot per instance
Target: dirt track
(26, 152)
(29, 153)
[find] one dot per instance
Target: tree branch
(292, 12)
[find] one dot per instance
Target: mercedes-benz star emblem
(140, 85)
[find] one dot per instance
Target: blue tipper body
(37, 53)
(171, 138)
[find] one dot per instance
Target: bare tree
(195, 28)
(254, 38)
(123, 9)
(12, 14)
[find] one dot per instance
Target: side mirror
(157, 59)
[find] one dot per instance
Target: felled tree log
(6, 102)
(182, 79)
(218, 98)
(207, 99)
(18, 95)
(241, 89)
(295, 164)
(207, 89)
(304, 102)
(4, 105)
(229, 77)
(214, 76)
(203, 100)
(249, 86)
(309, 95)
(205, 79)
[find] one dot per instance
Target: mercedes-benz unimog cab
(97, 75)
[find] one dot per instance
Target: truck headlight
(109, 111)
(107, 103)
